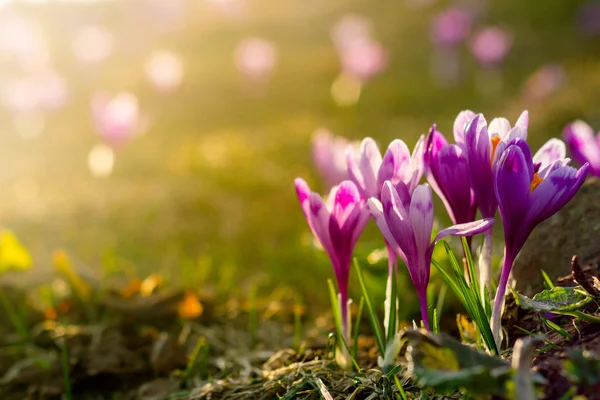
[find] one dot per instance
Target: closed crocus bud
(337, 223)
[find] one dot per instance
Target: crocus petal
(453, 172)
(518, 132)
(582, 145)
(346, 197)
(512, 185)
(554, 149)
(523, 120)
(417, 163)
(433, 144)
(421, 218)
(303, 192)
(376, 209)
(556, 190)
(319, 218)
(398, 221)
(499, 127)
(460, 124)
(396, 164)
(477, 144)
(466, 229)
(370, 161)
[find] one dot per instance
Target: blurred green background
(205, 197)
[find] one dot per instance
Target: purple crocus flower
(584, 145)
(528, 192)
(337, 224)
(446, 167)
(407, 227)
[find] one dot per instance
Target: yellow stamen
(535, 182)
(495, 140)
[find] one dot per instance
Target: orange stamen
(535, 182)
(495, 140)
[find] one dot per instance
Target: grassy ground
(206, 196)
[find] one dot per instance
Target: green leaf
(557, 299)
(13, 255)
(440, 362)
(468, 295)
(370, 309)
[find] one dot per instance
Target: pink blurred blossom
(167, 15)
(349, 29)
(118, 119)
(329, 156)
(490, 45)
(364, 59)
(451, 27)
(588, 18)
(23, 41)
(42, 91)
(361, 56)
(164, 70)
(256, 58)
(228, 8)
(92, 44)
(544, 81)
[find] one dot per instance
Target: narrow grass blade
(557, 329)
(468, 295)
(471, 268)
(371, 311)
(548, 285)
(401, 391)
(200, 349)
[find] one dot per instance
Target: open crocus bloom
(584, 146)
(368, 170)
(337, 225)
(528, 192)
(446, 167)
(484, 144)
(407, 228)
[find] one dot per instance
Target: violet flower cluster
(489, 167)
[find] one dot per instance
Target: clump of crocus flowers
(490, 167)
